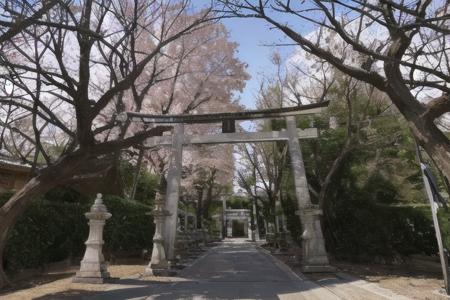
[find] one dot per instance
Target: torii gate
(314, 256)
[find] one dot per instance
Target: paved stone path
(239, 270)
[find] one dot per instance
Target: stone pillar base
(91, 273)
(314, 256)
(158, 266)
(94, 280)
(158, 271)
(318, 269)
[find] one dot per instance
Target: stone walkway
(239, 270)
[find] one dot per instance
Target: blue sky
(254, 37)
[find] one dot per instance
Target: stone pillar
(188, 228)
(284, 222)
(255, 222)
(224, 217)
(314, 256)
(93, 267)
(229, 228)
(281, 217)
(265, 226)
(250, 231)
(173, 191)
(194, 222)
(277, 215)
(158, 265)
(246, 228)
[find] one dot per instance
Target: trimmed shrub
(365, 231)
(52, 230)
(129, 229)
(46, 232)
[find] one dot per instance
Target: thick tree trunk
(435, 143)
(13, 209)
(424, 130)
(76, 167)
(418, 116)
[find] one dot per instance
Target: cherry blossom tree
(66, 71)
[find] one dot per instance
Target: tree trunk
(426, 133)
(73, 168)
(418, 116)
(324, 192)
(335, 167)
(199, 208)
(13, 209)
(208, 201)
(435, 143)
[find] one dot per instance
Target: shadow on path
(231, 270)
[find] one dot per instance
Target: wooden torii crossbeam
(313, 249)
(229, 116)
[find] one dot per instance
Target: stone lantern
(93, 267)
(158, 265)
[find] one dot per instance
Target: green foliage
(375, 205)
(444, 224)
(55, 228)
(5, 197)
(290, 207)
(146, 185)
(380, 189)
(129, 229)
(60, 194)
(239, 202)
(48, 231)
(364, 231)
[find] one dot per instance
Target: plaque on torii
(314, 256)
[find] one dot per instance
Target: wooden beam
(228, 126)
(219, 117)
(232, 138)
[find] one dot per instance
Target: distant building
(13, 174)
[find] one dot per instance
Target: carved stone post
(93, 268)
(158, 265)
(314, 256)
(229, 228)
(255, 222)
(173, 191)
(224, 217)
(250, 231)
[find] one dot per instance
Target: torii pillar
(173, 190)
(314, 255)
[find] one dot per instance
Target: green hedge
(366, 231)
(53, 230)
(129, 229)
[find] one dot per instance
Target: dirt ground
(401, 279)
(60, 282)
